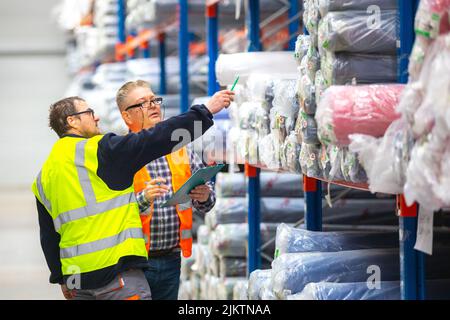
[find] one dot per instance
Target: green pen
(234, 84)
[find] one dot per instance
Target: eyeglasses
(146, 104)
(88, 110)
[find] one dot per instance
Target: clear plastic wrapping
(285, 100)
(230, 240)
(272, 184)
(348, 68)
(359, 32)
(232, 267)
(310, 160)
(385, 159)
(226, 286)
(320, 85)
(307, 95)
(269, 151)
(240, 290)
(257, 280)
(346, 5)
(274, 209)
(290, 152)
(301, 47)
(351, 169)
(346, 110)
(308, 129)
(228, 66)
(291, 240)
(291, 272)
(432, 18)
(185, 290)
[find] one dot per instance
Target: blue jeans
(163, 276)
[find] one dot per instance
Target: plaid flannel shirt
(165, 223)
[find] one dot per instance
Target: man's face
(141, 117)
(88, 123)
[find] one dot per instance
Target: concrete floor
(23, 270)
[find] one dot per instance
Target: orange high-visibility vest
(181, 171)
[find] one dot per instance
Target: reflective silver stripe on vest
(94, 246)
(186, 234)
(93, 209)
(44, 199)
(83, 175)
(92, 206)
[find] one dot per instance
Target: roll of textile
(359, 32)
(291, 272)
(346, 5)
(310, 160)
(272, 184)
(229, 66)
(186, 264)
(225, 287)
(346, 110)
(232, 267)
(240, 290)
(348, 68)
(351, 168)
(301, 47)
(309, 129)
(275, 209)
(256, 282)
(230, 240)
(290, 240)
(388, 290)
(320, 85)
(290, 152)
(307, 95)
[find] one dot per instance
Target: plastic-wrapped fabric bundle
(311, 18)
(432, 18)
(257, 84)
(307, 95)
(389, 290)
(274, 209)
(310, 160)
(212, 286)
(320, 85)
(203, 234)
(184, 292)
(347, 68)
(226, 286)
(291, 272)
(214, 266)
(359, 32)
(385, 159)
(256, 281)
(203, 259)
(279, 126)
(290, 240)
(232, 267)
(301, 47)
(269, 151)
(186, 264)
(285, 108)
(346, 5)
(230, 240)
(351, 168)
(240, 290)
(262, 121)
(267, 292)
(346, 110)
(310, 63)
(228, 66)
(195, 286)
(308, 129)
(290, 152)
(203, 292)
(272, 184)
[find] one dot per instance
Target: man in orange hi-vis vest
(167, 230)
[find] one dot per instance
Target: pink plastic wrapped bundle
(345, 110)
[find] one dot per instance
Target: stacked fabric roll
(412, 157)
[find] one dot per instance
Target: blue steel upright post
(253, 173)
(412, 262)
(293, 25)
(162, 63)
(121, 34)
(184, 54)
(213, 46)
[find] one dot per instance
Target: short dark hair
(58, 113)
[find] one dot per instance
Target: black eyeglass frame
(88, 110)
(157, 101)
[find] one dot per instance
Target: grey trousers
(129, 285)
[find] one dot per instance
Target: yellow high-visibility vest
(98, 225)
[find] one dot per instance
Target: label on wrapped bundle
(428, 24)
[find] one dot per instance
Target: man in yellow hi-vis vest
(91, 233)
(167, 230)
